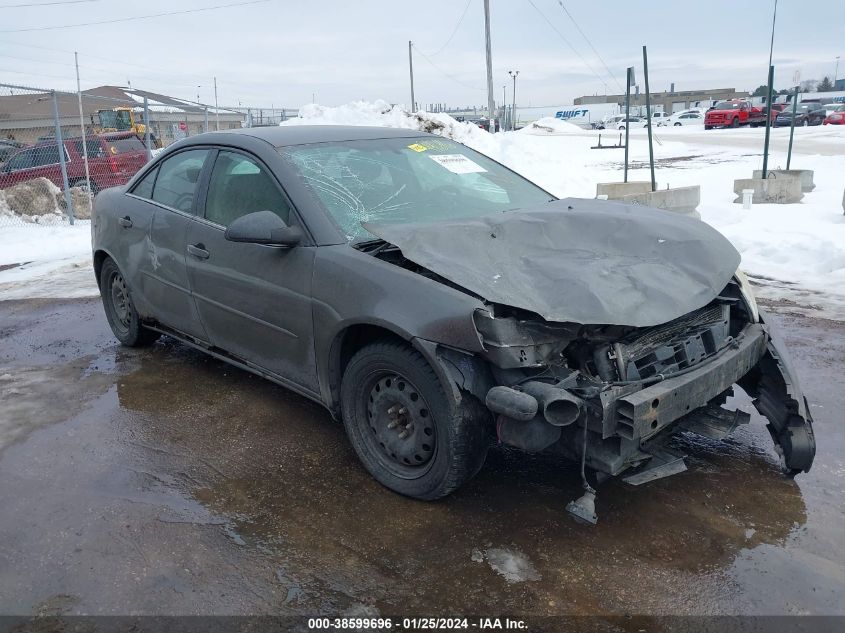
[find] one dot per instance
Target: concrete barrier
(804, 175)
(615, 190)
(683, 200)
(784, 190)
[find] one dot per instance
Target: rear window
(125, 145)
(95, 148)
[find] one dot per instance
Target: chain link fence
(58, 149)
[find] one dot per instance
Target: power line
(44, 4)
(455, 30)
(586, 39)
(137, 17)
(444, 73)
(566, 41)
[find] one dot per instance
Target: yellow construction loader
(123, 119)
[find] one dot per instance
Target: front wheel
(677, 125)
(735, 122)
(120, 312)
(410, 435)
(708, 127)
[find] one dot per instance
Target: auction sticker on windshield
(457, 163)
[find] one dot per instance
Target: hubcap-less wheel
(120, 302)
(402, 432)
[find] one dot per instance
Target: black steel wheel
(409, 434)
(121, 314)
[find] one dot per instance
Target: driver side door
(254, 300)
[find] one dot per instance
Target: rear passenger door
(172, 196)
(254, 300)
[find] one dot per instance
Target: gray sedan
(434, 300)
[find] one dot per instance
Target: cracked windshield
(402, 180)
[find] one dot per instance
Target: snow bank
(550, 126)
(382, 114)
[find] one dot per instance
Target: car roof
(281, 135)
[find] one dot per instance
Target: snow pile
(382, 114)
(550, 126)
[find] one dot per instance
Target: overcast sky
(282, 52)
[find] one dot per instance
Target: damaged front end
(607, 328)
(611, 396)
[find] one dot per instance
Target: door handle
(198, 251)
(125, 222)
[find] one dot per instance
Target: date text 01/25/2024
(416, 624)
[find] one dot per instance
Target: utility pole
(216, 110)
(491, 125)
(513, 73)
(411, 67)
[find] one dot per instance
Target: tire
(123, 319)
(80, 182)
(708, 127)
(621, 127)
(677, 125)
(426, 448)
(805, 123)
(735, 122)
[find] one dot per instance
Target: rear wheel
(409, 434)
(677, 125)
(90, 185)
(120, 312)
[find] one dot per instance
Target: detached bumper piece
(777, 395)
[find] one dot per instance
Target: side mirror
(263, 227)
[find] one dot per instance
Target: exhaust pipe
(558, 406)
(511, 403)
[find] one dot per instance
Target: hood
(577, 260)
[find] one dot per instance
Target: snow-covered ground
(794, 252)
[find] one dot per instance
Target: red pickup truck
(736, 112)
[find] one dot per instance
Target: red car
(112, 160)
(837, 117)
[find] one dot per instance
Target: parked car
(112, 160)
(618, 122)
(835, 116)
(7, 148)
(687, 118)
(831, 108)
(806, 114)
(659, 119)
(433, 300)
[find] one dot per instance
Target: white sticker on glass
(457, 163)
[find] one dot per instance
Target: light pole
(836, 72)
(513, 73)
(504, 106)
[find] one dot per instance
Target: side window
(22, 160)
(239, 185)
(144, 188)
(178, 177)
(45, 155)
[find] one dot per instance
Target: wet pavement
(161, 481)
